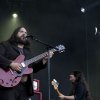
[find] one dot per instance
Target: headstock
(60, 48)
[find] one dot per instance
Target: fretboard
(37, 58)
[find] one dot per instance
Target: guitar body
(10, 78)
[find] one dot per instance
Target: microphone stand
(48, 49)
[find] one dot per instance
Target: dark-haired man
(17, 45)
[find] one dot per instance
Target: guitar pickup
(23, 64)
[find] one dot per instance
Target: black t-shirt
(80, 91)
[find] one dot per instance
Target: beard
(22, 40)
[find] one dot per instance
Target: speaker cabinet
(36, 87)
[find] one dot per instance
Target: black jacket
(9, 52)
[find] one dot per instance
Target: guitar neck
(59, 48)
(58, 92)
(39, 57)
(34, 59)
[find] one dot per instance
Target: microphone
(32, 38)
(29, 36)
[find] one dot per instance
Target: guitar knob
(12, 85)
(10, 79)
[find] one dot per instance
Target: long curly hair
(13, 39)
(80, 78)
